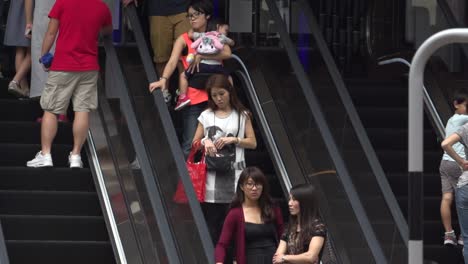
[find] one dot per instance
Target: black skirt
(263, 255)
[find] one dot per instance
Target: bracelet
(238, 141)
(160, 78)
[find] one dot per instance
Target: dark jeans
(190, 116)
(461, 202)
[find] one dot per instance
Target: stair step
(393, 160)
(431, 208)
(397, 161)
(30, 132)
(19, 110)
(47, 227)
(19, 154)
(399, 183)
(59, 252)
(441, 254)
(49, 203)
(54, 179)
(397, 139)
(433, 232)
(386, 117)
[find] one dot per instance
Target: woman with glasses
(253, 222)
(224, 131)
(199, 14)
(303, 240)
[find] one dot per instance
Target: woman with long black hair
(305, 235)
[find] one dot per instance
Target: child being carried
(205, 44)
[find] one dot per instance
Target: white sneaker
(75, 161)
(450, 239)
(40, 160)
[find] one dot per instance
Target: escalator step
(19, 154)
(45, 227)
(49, 203)
(19, 110)
(60, 252)
(30, 133)
(57, 179)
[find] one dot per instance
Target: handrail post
(415, 136)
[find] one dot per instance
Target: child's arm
(226, 40)
(447, 145)
(194, 35)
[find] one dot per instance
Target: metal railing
(3, 251)
(360, 130)
(440, 128)
(281, 168)
(169, 130)
(150, 181)
(415, 134)
(113, 231)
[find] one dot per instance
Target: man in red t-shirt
(73, 73)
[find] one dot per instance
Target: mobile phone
(28, 32)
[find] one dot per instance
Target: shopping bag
(197, 173)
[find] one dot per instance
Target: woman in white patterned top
(224, 128)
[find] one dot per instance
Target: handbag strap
(238, 124)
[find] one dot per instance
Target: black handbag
(224, 159)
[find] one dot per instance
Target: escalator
(52, 214)
(301, 139)
(305, 135)
(137, 70)
(299, 79)
(306, 141)
(379, 96)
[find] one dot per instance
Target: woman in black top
(303, 239)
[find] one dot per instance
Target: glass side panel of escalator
(270, 60)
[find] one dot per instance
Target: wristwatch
(282, 259)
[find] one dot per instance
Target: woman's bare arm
(309, 257)
(171, 65)
(250, 141)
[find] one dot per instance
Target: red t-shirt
(80, 22)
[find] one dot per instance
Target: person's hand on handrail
(158, 84)
(127, 2)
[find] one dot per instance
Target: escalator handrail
(440, 129)
(452, 21)
(3, 250)
(154, 194)
(361, 133)
(266, 128)
(169, 130)
(113, 231)
(305, 85)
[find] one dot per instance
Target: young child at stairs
(450, 171)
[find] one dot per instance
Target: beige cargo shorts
(80, 87)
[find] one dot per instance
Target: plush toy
(206, 44)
